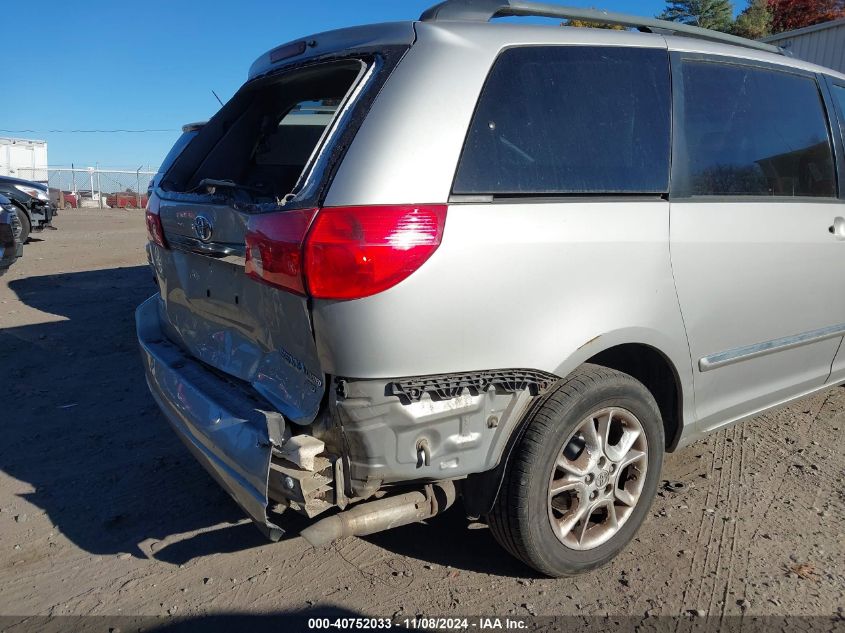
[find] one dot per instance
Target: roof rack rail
(485, 10)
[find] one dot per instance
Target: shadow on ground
(80, 427)
(82, 430)
(449, 540)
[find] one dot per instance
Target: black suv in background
(11, 246)
(32, 200)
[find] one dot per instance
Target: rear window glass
(570, 120)
(751, 131)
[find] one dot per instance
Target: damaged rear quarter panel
(462, 435)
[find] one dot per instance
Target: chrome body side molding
(739, 354)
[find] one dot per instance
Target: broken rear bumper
(223, 427)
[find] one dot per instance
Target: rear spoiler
(369, 37)
(193, 127)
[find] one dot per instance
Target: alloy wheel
(597, 478)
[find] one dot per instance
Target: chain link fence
(72, 188)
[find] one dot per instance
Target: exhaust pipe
(383, 514)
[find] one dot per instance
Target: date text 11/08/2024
(420, 623)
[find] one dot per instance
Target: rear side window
(570, 120)
(752, 132)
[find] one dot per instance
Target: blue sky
(111, 64)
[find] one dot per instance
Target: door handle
(838, 228)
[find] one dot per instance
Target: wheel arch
(648, 362)
(658, 374)
(22, 207)
(661, 363)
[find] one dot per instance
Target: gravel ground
(102, 511)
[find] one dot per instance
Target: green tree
(755, 22)
(708, 14)
(593, 25)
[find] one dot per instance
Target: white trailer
(23, 158)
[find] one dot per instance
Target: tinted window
(569, 120)
(747, 131)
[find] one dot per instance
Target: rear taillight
(343, 252)
(354, 252)
(155, 231)
(274, 248)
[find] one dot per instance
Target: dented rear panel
(246, 329)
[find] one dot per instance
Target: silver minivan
(508, 263)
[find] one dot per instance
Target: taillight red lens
(355, 252)
(274, 248)
(155, 231)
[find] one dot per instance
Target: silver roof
(502, 34)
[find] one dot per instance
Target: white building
(822, 44)
(23, 158)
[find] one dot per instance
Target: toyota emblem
(203, 228)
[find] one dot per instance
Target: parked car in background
(32, 201)
(71, 200)
(11, 246)
(63, 199)
(127, 200)
(388, 278)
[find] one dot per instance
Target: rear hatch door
(274, 139)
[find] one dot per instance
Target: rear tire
(592, 448)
